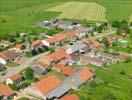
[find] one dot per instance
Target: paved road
(27, 63)
(11, 71)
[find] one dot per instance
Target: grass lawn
(12, 64)
(130, 18)
(58, 74)
(110, 83)
(20, 15)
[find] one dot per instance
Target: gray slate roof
(75, 78)
(38, 70)
(58, 91)
(76, 47)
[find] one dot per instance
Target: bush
(52, 50)
(35, 79)
(28, 74)
(28, 54)
(23, 98)
(93, 84)
(130, 23)
(128, 59)
(23, 85)
(14, 87)
(122, 72)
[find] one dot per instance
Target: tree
(118, 32)
(122, 72)
(130, 23)
(23, 85)
(1, 48)
(28, 74)
(128, 59)
(115, 24)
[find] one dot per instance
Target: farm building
(53, 58)
(66, 70)
(78, 47)
(70, 97)
(49, 88)
(53, 41)
(80, 77)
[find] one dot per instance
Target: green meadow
(112, 83)
(20, 15)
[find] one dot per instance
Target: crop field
(81, 10)
(20, 15)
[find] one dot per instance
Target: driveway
(27, 63)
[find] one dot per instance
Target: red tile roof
(67, 70)
(5, 90)
(57, 55)
(7, 54)
(18, 46)
(36, 42)
(73, 33)
(47, 84)
(85, 74)
(70, 97)
(55, 39)
(73, 55)
(118, 37)
(43, 65)
(16, 76)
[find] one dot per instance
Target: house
(14, 79)
(2, 67)
(49, 88)
(75, 48)
(72, 35)
(70, 97)
(53, 41)
(54, 57)
(6, 56)
(5, 43)
(63, 24)
(40, 68)
(80, 77)
(97, 44)
(6, 93)
(17, 48)
(37, 44)
(66, 70)
(73, 58)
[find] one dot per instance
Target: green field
(81, 10)
(110, 83)
(20, 15)
(131, 18)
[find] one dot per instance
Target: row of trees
(121, 25)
